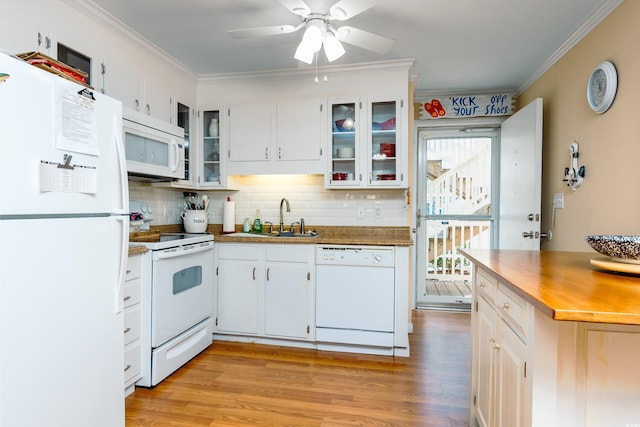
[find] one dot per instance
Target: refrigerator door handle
(124, 253)
(122, 167)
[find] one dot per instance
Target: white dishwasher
(355, 298)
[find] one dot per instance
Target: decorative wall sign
(463, 106)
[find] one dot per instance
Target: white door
(520, 179)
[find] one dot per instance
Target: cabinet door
(511, 377)
(300, 126)
(384, 148)
(121, 81)
(157, 100)
(211, 149)
(238, 297)
(250, 133)
(286, 300)
(344, 166)
(487, 335)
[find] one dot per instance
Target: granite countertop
(334, 235)
(134, 250)
(564, 285)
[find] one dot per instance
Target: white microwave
(154, 149)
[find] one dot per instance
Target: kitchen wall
(306, 195)
(608, 201)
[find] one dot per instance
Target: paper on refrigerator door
(71, 179)
(77, 129)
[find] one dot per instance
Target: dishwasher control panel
(374, 256)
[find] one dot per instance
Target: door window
(455, 196)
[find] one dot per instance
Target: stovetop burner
(170, 240)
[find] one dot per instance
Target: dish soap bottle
(257, 223)
(247, 225)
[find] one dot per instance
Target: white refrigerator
(63, 247)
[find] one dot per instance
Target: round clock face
(602, 86)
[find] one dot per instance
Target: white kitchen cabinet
(123, 81)
(212, 148)
(289, 297)
(239, 289)
(265, 290)
(285, 137)
(368, 143)
(132, 297)
(502, 396)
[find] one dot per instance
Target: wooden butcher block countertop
(564, 285)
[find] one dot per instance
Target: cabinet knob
(506, 305)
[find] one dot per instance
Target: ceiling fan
(320, 32)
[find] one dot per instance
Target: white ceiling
(458, 45)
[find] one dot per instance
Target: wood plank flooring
(240, 384)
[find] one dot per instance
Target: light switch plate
(360, 212)
(558, 201)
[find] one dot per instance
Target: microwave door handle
(176, 155)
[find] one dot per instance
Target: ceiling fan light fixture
(310, 44)
(332, 47)
(304, 53)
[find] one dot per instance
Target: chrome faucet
(281, 214)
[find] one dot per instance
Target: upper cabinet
(211, 165)
(277, 138)
(368, 143)
(137, 92)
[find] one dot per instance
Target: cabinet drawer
(134, 267)
(132, 292)
(486, 285)
(132, 324)
(238, 252)
(513, 309)
(132, 363)
(288, 253)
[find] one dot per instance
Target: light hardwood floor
(236, 384)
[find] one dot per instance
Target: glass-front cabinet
(212, 149)
(344, 169)
(184, 121)
(368, 147)
(383, 143)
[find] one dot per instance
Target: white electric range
(177, 302)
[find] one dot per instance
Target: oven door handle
(183, 250)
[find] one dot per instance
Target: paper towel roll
(229, 217)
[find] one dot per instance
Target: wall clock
(602, 86)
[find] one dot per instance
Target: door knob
(528, 234)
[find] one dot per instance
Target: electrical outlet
(558, 201)
(360, 214)
(378, 212)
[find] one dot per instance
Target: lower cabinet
(132, 295)
(265, 290)
(528, 370)
(501, 376)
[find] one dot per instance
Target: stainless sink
(292, 234)
(277, 234)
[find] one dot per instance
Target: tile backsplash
(306, 195)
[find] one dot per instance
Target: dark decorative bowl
(619, 248)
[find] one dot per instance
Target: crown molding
(391, 65)
(107, 21)
(593, 21)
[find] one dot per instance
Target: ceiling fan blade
(273, 30)
(364, 39)
(299, 7)
(345, 9)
